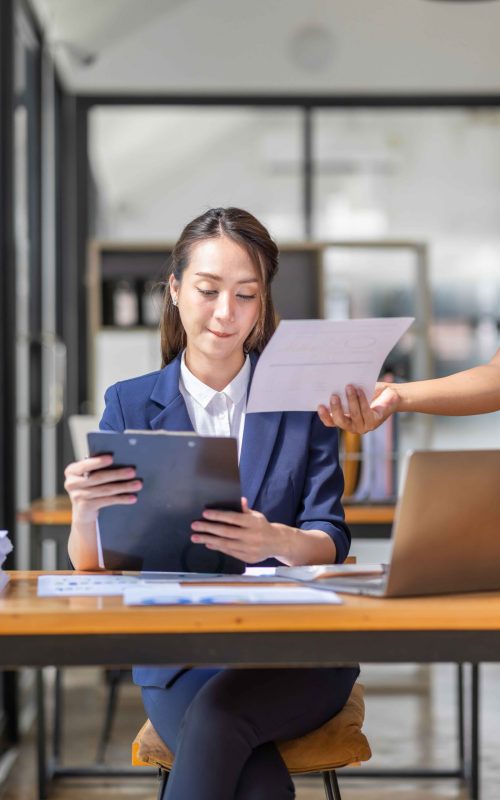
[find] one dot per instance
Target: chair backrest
(79, 426)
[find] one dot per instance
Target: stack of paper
(177, 588)
(104, 584)
(5, 549)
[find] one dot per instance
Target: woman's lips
(220, 335)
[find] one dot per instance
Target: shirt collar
(203, 394)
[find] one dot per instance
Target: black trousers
(222, 725)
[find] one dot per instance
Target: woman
(217, 317)
(473, 391)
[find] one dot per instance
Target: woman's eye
(246, 296)
(207, 292)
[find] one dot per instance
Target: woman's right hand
(92, 484)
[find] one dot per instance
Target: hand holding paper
(308, 360)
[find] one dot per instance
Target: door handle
(54, 384)
(46, 357)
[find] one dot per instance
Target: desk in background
(50, 517)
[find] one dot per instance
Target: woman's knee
(345, 680)
(214, 715)
(210, 713)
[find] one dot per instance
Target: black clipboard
(182, 474)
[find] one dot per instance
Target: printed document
(83, 585)
(97, 585)
(155, 595)
(308, 360)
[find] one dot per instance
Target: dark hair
(244, 229)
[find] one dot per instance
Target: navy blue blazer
(289, 464)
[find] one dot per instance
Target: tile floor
(411, 717)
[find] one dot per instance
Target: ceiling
(193, 46)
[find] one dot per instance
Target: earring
(174, 301)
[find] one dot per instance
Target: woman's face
(218, 298)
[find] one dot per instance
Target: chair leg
(460, 721)
(114, 677)
(57, 716)
(472, 761)
(332, 789)
(162, 782)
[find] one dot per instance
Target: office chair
(338, 743)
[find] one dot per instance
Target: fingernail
(334, 400)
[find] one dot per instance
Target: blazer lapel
(173, 415)
(259, 437)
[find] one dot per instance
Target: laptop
(446, 531)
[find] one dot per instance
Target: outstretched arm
(474, 391)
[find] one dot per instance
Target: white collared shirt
(215, 413)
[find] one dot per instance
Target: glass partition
(157, 168)
(429, 175)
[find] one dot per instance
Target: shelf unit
(297, 291)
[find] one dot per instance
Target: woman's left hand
(246, 535)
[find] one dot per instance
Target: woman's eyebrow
(218, 277)
(208, 275)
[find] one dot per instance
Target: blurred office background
(365, 134)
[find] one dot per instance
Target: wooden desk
(101, 630)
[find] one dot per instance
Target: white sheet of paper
(84, 585)
(260, 572)
(95, 585)
(308, 360)
(155, 595)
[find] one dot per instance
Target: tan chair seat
(337, 743)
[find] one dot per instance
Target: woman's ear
(174, 288)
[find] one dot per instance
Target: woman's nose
(225, 307)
